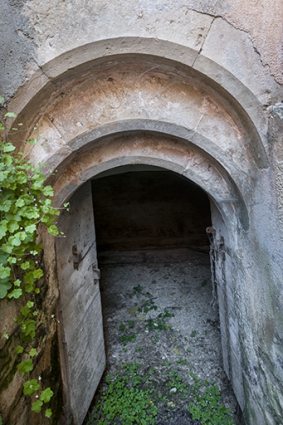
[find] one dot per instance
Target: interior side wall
(149, 209)
(224, 277)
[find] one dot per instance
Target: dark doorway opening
(149, 210)
(157, 302)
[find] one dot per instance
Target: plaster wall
(194, 87)
(37, 32)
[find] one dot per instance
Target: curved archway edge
(46, 83)
(110, 147)
(170, 154)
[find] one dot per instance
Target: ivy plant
(25, 204)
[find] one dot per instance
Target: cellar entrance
(158, 306)
(135, 236)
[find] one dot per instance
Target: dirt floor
(159, 312)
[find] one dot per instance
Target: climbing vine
(25, 204)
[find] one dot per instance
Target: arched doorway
(82, 348)
(158, 305)
(156, 110)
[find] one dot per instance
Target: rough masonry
(193, 87)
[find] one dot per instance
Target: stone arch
(167, 152)
(163, 149)
(59, 74)
(132, 100)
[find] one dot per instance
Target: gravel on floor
(141, 289)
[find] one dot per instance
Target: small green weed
(137, 289)
(206, 405)
(147, 306)
(125, 400)
(138, 350)
(159, 323)
(128, 338)
(182, 361)
(131, 323)
(132, 397)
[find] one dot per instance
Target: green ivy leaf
(10, 115)
(25, 265)
(16, 293)
(34, 252)
(25, 367)
(7, 158)
(25, 311)
(30, 387)
(29, 278)
(5, 285)
(38, 184)
(19, 349)
(48, 413)
(20, 202)
(6, 206)
(12, 226)
(1, 99)
(21, 210)
(30, 212)
(21, 177)
(22, 235)
(8, 147)
(28, 328)
(37, 274)
(36, 406)
(31, 228)
(46, 395)
(33, 141)
(12, 260)
(48, 191)
(4, 272)
(15, 240)
(3, 257)
(3, 176)
(53, 230)
(3, 228)
(33, 352)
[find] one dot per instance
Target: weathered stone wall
(14, 407)
(194, 87)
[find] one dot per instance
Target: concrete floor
(175, 280)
